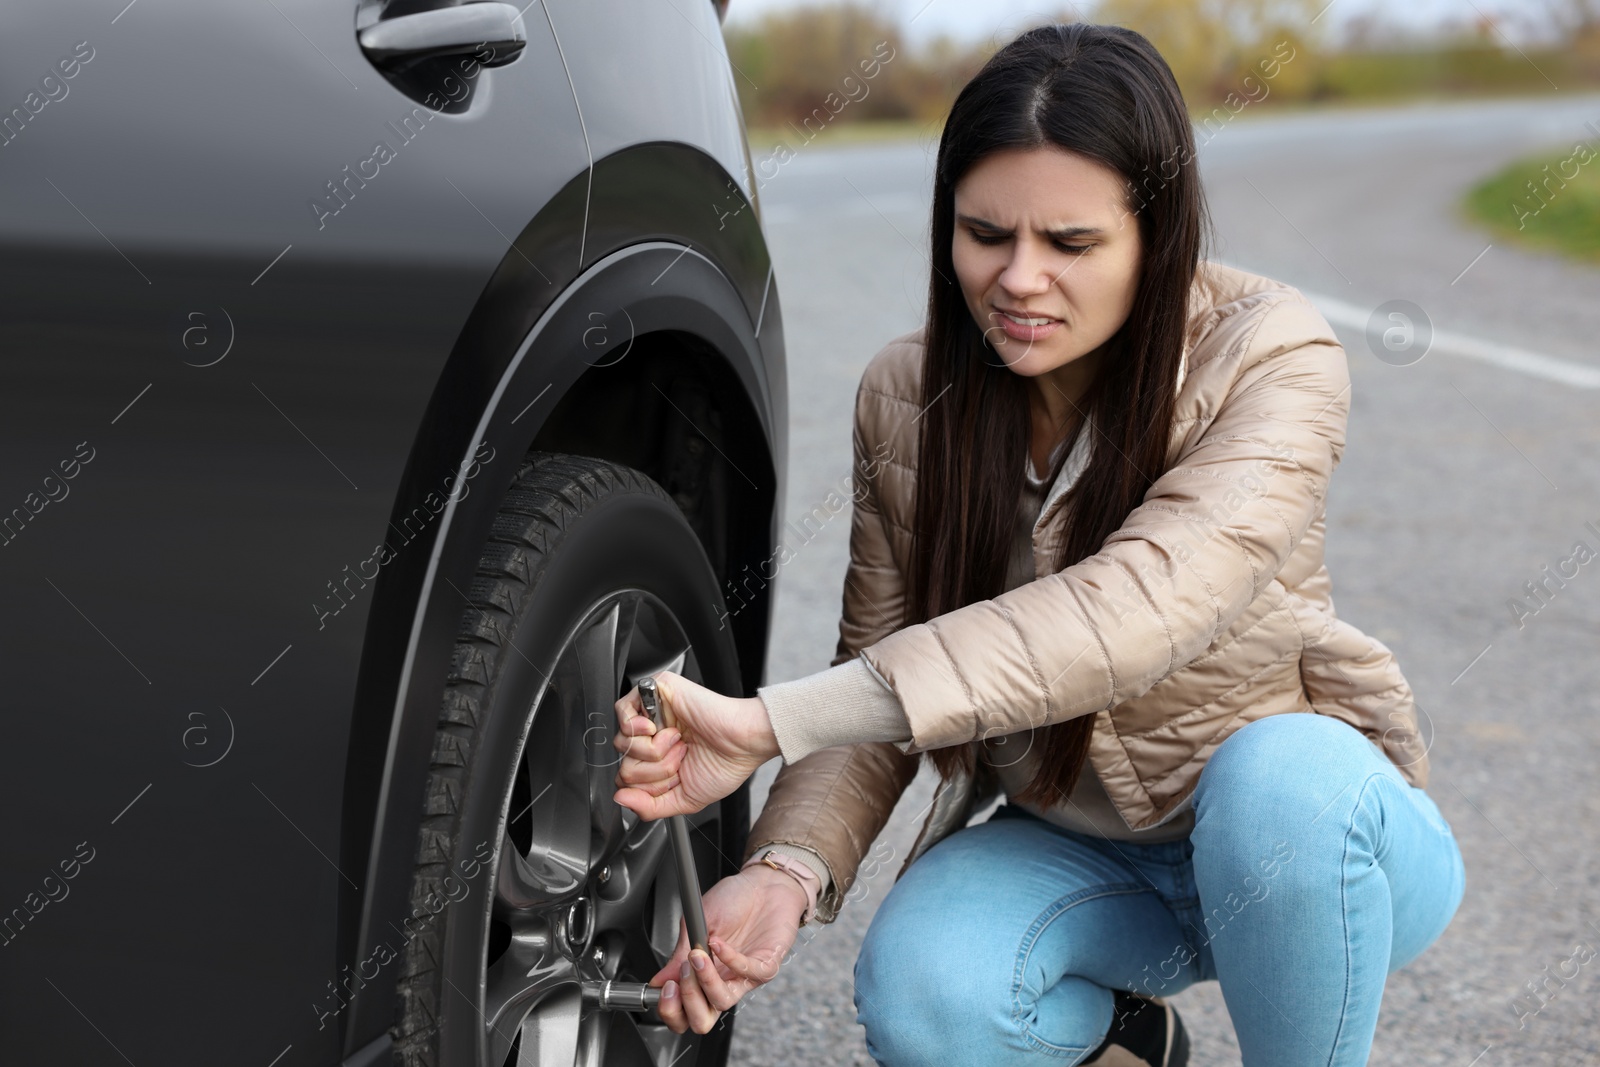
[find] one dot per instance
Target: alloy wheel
(583, 888)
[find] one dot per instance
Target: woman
(1085, 569)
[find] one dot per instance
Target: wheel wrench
(639, 996)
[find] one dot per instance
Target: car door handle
(401, 42)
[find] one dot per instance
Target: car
(388, 387)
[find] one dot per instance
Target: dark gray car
(387, 387)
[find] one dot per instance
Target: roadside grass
(1548, 201)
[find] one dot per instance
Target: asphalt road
(1465, 474)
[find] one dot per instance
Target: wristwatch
(780, 862)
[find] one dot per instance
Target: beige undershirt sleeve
(838, 706)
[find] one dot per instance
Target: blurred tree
(1211, 45)
(805, 68)
(793, 58)
(936, 74)
(1574, 18)
(790, 60)
(1578, 23)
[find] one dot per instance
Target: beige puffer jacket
(1207, 609)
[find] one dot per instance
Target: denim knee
(922, 1005)
(1270, 789)
(899, 996)
(917, 1002)
(1288, 759)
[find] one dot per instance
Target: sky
(971, 21)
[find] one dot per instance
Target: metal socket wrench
(694, 914)
(639, 996)
(621, 996)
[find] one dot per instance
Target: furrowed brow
(1063, 234)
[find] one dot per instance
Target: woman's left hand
(710, 745)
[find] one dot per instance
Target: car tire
(529, 877)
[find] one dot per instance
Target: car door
(236, 255)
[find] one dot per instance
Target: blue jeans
(1314, 870)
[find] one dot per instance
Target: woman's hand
(708, 746)
(751, 919)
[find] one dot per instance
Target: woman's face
(1043, 233)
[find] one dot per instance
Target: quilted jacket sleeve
(1353, 677)
(837, 800)
(1209, 535)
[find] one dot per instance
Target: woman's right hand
(751, 920)
(708, 745)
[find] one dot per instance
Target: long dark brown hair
(1105, 93)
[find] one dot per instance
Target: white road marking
(1508, 357)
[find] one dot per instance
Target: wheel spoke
(592, 1038)
(557, 816)
(589, 685)
(675, 664)
(620, 902)
(627, 626)
(526, 884)
(656, 645)
(529, 974)
(612, 1039)
(550, 1033)
(663, 1045)
(594, 653)
(665, 920)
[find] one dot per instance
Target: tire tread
(549, 493)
